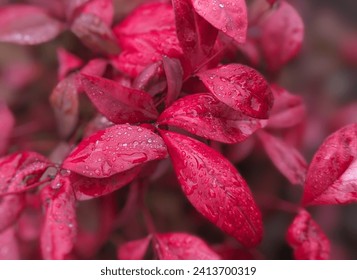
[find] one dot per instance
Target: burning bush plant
(160, 114)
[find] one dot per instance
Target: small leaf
(11, 207)
(88, 188)
(174, 75)
(241, 88)
(20, 171)
(204, 115)
(134, 250)
(182, 246)
(307, 239)
(118, 103)
(60, 226)
(65, 104)
(228, 16)
(288, 109)
(114, 150)
(215, 188)
(285, 157)
(67, 62)
(6, 126)
(10, 249)
(95, 67)
(282, 34)
(27, 25)
(332, 177)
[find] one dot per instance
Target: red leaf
(288, 110)
(307, 239)
(114, 150)
(6, 126)
(10, 249)
(67, 62)
(182, 246)
(196, 35)
(134, 250)
(215, 188)
(229, 16)
(118, 103)
(95, 33)
(88, 188)
(285, 157)
(204, 115)
(65, 104)
(95, 67)
(149, 77)
(27, 25)
(282, 35)
(103, 9)
(332, 177)
(11, 207)
(241, 88)
(20, 171)
(60, 226)
(174, 75)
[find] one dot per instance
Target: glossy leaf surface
(183, 246)
(307, 239)
(241, 88)
(332, 176)
(215, 188)
(204, 115)
(114, 150)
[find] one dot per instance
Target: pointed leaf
(183, 246)
(10, 249)
(95, 67)
(6, 126)
(241, 88)
(67, 62)
(118, 103)
(27, 25)
(228, 16)
(174, 75)
(204, 115)
(307, 239)
(114, 150)
(11, 207)
(332, 177)
(215, 188)
(134, 250)
(88, 188)
(19, 171)
(285, 157)
(60, 226)
(282, 35)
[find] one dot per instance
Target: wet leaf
(215, 188)
(241, 88)
(27, 25)
(67, 62)
(228, 16)
(134, 250)
(204, 115)
(332, 177)
(182, 246)
(11, 207)
(307, 239)
(288, 160)
(118, 103)
(59, 228)
(114, 150)
(174, 75)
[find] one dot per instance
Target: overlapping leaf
(215, 188)
(332, 176)
(134, 250)
(204, 115)
(182, 246)
(67, 62)
(27, 25)
(307, 239)
(114, 150)
(174, 75)
(241, 88)
(118, 103)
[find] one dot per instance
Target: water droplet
(221, 5)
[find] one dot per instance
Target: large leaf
(307, 239)
(241, 88)
(204, 115)
(228, 16)
(182, 246)
(60, 225)
(332, 174)
(215, 188)
(27, 25)
(285, 157)
(114, 150)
